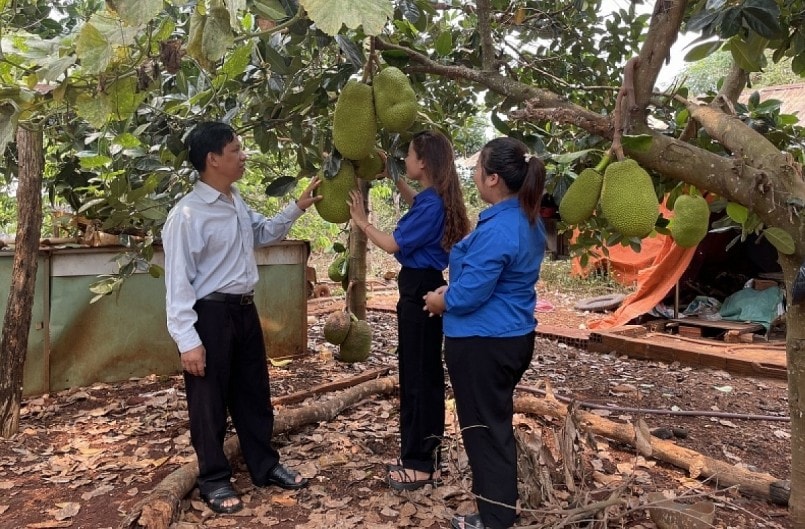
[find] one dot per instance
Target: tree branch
(485, 29)
(662, 33)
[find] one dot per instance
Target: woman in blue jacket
(436, 220)
(488, 317)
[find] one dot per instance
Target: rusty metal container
(74, 343)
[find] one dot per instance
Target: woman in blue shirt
(436, 220)
(488, 312)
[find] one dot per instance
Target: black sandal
(468, 521)
(215, 499)
(407, 482)
(284, 477)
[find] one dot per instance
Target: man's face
(232, 160)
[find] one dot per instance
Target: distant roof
(791, 95)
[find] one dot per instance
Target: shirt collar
(208, 193)
(501, 206)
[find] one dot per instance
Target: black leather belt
(240, 299)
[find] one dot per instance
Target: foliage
(705, 76)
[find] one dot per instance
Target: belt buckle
(247, 299)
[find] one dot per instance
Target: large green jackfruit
(691, 220)
(368, 168)
(333, 206)
(336, 327)
(628, 200)
(581, 197)
(354, 121)
(395, 100)
(358, 343)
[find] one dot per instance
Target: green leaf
(94, 109)
(700, 51)
(93, 50)
(272, 9)
(331, 15)
(137, 12)
(123, 98)
(238, 60)
(217, 37)
(763, 16)
(737, 212)
(570, 157)
(781, 240)
(93, 161)
(444, 43)
(744, 55)
(637, 143)
(281, 186)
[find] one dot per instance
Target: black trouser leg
(421, 372)
(483, 373)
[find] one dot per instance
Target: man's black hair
(207, 137)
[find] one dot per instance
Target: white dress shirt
(209, 242)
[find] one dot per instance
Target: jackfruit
(368, 168)
(338, 268)
(358, 343)
(581, 197)
(395, 100)
(336, 327)
(628, 200)
(354, 121)
(691, 220)
(333, 206)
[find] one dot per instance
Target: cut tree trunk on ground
(157, 510)
(698, 465)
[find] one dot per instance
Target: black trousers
(419, 349)
(235, 380)
(483, 373)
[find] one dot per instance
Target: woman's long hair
(436, 151)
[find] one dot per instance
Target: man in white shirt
(210, 275)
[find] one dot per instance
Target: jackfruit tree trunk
(356, 294)
(17, 321)
(795, 358)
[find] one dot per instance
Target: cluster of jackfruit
(353, 336)
(628, 200)
(691, 220)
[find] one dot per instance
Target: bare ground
(85, 456)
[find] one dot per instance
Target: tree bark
(17, 321)
(156, 511)
(698, 465)
(356, 295)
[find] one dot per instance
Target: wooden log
(698, 465)
(156, 511)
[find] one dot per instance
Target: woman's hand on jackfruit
(306, 199)
(356, 211)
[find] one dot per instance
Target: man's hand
(306, 199)
(195, 360)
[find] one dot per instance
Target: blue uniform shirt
(419, 233)
(493, 275)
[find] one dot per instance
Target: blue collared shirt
(493, 275)
(209, 243)
(419, 233)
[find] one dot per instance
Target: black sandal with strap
(215, 499)
(407, 482)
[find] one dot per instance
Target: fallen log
(328, 387)
(698, 465)
(156, 511)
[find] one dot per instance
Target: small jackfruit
(395, 100)
(358, 343)
(368, 168)
(581, 197)
(354, 121)
(628, 200)
(336, 327)
(337, 269)
(333, 206)
(691, 220)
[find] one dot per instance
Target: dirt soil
(84, 457)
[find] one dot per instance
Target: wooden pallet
(756, 359)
